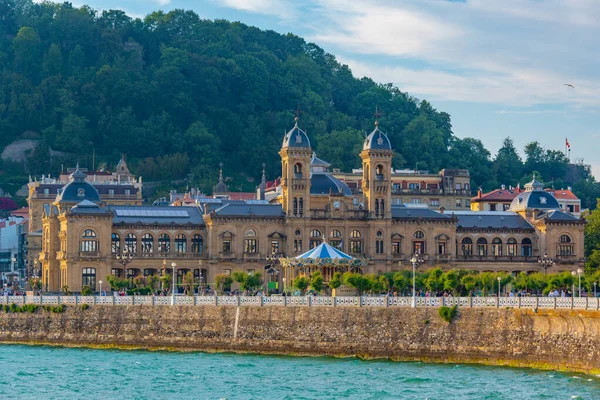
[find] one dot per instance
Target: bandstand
(324, 258)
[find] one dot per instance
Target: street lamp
(545, 262)
(415, 260)
(14, 266)
(173, 264)
(499, 280)
(283, 279)
(573, 273)
(124, 259)
(100, 282)
(579, 273)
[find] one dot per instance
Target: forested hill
(178, 94)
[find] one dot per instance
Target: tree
(469, 281)
(223, 283)
(451, 281)
(316, 281)
(336, 280)
(360, 282)
(301, 283)
(508, 166)
(401, 282)
(189, 283)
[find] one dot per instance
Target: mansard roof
(556, 215)
(403, 212)
(324, 183)
(490, 220)
(245, 209)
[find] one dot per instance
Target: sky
(499, 68)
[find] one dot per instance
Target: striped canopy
(324, 251)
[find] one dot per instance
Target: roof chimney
(479, 193)
(503, 187)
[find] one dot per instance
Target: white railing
(579, 303)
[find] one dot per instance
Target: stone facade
(547, 339)
(82, 235)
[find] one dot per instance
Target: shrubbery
(448, 313)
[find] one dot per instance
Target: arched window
(418, 246)
(295, 208)
(131, 243)
(197, 244)
(88, 243)
(88, 278)
(482, 247)
(467, 247)
(115, 243)
(379, 172)
(336, 234)
(250, 242)
(379, 242)
(511, 247)
(315, 238)
(164, 243)
(356, 246)
(497, 247)
(298, 170)
(298, 233)
(419, 235)
(180, 243)
(336, 239)
(565, 247)
(300, 206)
(147, 243)
(526, 248)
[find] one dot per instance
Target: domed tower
(295, 172)
(377, 168)
(76, 191)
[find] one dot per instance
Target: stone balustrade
(564, 303)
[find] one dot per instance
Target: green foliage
(316, 281)
(301, 283)
(117, 283)
(25, 308)
(401, 282)
(55, 309)
(448, 313)
(66, 291)
(84, 307)
(336, 280)
(166, 281)
(223, 282)
(360, 282)
(86, 291)
(247, 281)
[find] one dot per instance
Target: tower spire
(263, 181)
(298, 111)
(377, 115)
(221, 172)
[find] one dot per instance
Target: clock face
(336, 204)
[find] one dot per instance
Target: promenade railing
(577, 303)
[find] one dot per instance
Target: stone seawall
(548, 339)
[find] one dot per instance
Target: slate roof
(377, 140)
(403, 212)
(77, 190)
(556, 215)
(490, 219)
(237, 209)
(89, 208)
(324, 183)
(296, 137)
(314, 160)
(536, 199)
(156, 215)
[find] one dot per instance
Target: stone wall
(549, 339)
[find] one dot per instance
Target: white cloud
(281, 8)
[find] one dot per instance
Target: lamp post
(283, 279)
(173, 264)
(14, 264)
(545, 262)
(124, 259)
(573, 273)
(499, 281)
(100, 282)
(579, 273)
(415, 260)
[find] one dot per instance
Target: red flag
(567, 143)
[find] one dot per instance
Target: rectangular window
(565, 250)
(226, 246)
(297, 245)
(355, 247)
(250, 246)
(506, 207)
(492, 206)
(116, 272)
(416, 201)
(442, 248)
(227, 272)
(467, 203)
(413, 186)
(274, 246)
(434, 202)
(395, 247)
(570, 208)
(458, 203)
(418, 247)
(379, 246)
(88, 246)
(127, 192)
(457, 186)
(88, 278)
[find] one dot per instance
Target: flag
(567, 143)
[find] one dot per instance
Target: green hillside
(178, 94)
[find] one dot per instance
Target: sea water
(42, 372)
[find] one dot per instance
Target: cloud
(280, 8)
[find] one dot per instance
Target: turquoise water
(61, 373)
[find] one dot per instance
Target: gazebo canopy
(324, 251)
(321, 256)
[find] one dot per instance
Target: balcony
(443, 258)
(400, 191)
(515, 259)
(381, 186)
(298, 182)
(227, 256)
(567, 259)
(89, 254)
